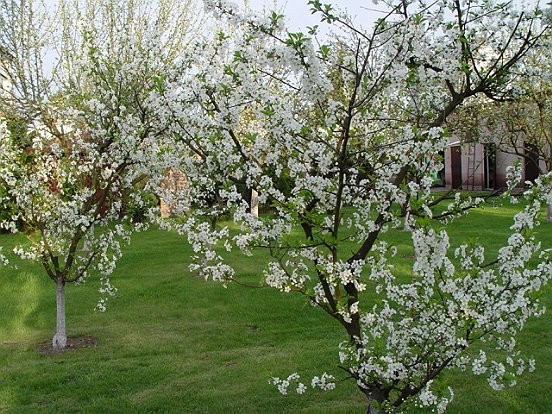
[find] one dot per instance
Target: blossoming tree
(523, 125)
(343, 140)
(89, 141)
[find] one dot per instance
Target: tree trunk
(406, 226)
(375, 398)
(254, 203)
(60, 338)
(549, 212)
(373, 410)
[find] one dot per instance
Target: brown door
(456, 166)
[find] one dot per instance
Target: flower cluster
(283, 384)
(324, 382)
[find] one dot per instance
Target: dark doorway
(456, 166)
(439, 179)
(531, 162)
(490, 166)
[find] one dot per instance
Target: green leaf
(274, 17)
(316, 6)
(324, 51)
(312, 29)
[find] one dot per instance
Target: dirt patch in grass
(46, 348)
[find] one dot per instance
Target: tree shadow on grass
(22, 305)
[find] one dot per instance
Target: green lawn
(173, 343)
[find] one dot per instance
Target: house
(483, 166)
(6, 84)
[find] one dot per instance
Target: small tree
(92, 136)
(346, 137)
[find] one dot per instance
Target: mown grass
(173, 343)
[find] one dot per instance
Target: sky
(363, 12)
(298, 12)
(299, 16)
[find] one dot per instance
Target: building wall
(472, 158)
(5, 80)
(503, 161)
(473, 166)
(472, 163)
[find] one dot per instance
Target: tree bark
(254, 203)
(60, 338)
(406, 226)
(373, 410)
(375, 397)
(549, 212)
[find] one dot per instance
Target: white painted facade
(480, 166)
(5, 79)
